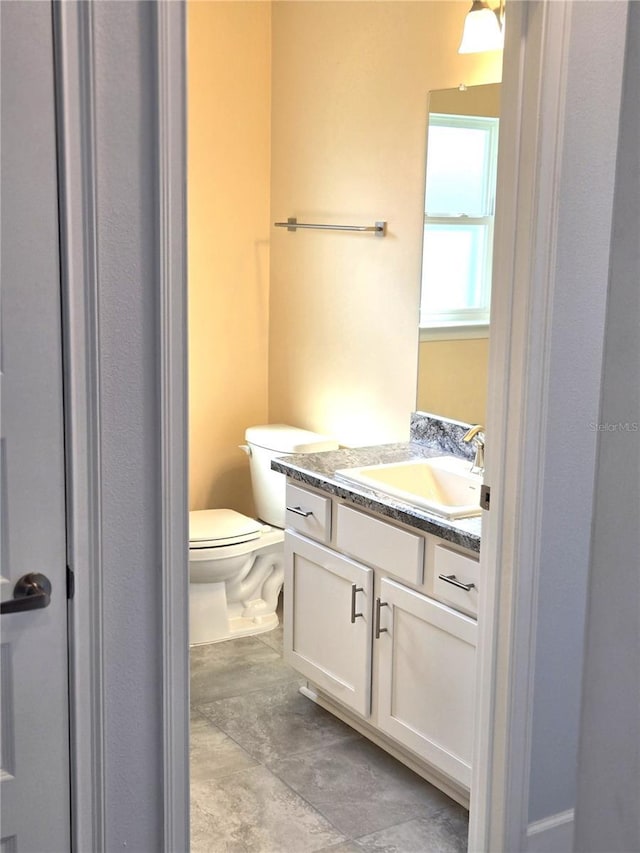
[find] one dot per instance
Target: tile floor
(271, 772)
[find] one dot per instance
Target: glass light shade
(482, 30)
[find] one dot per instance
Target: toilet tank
(264, 444)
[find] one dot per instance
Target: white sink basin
(443, 485)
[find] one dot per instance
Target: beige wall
(453, 379)
(350, 86)
(229, 51)
(324, 334)
(479, 101)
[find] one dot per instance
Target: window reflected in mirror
(459, 210)
(458, 219)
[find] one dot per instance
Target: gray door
(34, 776)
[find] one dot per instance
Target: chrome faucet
(476, 434)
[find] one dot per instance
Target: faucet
(476, 434)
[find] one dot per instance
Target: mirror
(458, 245)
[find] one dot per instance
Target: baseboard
(553, 834)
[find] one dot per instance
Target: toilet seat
(216, 528)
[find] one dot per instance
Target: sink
(443, 485)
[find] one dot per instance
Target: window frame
(460, 318)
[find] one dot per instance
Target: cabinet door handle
(453, 580)
(379, 630)
(305, 513)
(354, 591)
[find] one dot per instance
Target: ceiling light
(483, 29)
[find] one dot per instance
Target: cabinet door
(426, 678)
(327, 620)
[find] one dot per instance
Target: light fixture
(483, 28)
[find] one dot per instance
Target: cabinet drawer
(381, 545)
(308, 513)
(458, 569)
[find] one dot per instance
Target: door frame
(543, 44)
(79, 209)
(537, 54)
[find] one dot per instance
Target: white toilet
(236, 562)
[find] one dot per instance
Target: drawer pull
(453, 580)
(354, 591)
(379, 630)
(305, 513)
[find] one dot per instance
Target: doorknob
(31, 592)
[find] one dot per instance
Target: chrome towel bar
(292, 224)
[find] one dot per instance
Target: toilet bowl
(235, 562)
(235, 572)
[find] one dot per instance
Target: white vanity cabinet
(426, 677)
(327, 628)
(367, 629)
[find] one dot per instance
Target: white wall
(607, 815)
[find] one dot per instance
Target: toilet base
(242, 627)
(233, 590)
(213, 619)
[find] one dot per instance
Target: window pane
(454, 265)
(459, 208)
(457, 172)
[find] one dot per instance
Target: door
(34, 749)
(426, 701)
(327, 627)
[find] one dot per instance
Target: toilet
(236, 562)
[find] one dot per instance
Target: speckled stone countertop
(319, 470)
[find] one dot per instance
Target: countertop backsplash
(441, 433)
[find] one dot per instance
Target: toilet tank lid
(287, 439)
(209, 525)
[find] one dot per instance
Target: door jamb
(74, 92)
(532, 104)
(75, 99)
(173, 385)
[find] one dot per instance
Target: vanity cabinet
(367, 629)
(327, 630)
(426, 677)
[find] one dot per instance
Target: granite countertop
(318, 470)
